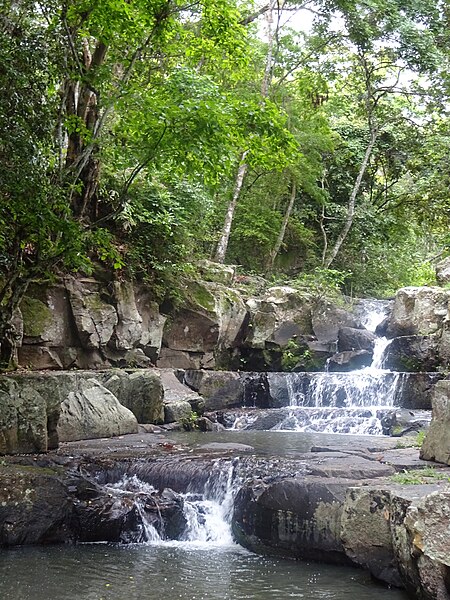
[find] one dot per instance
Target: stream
(205, 564)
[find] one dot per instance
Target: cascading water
(356, 402)
(207, 516)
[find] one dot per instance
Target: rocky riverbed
(337, 499)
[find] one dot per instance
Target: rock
(298, 518)
(350, 338)
(152, 323)
(28, 416)
(415, 390)
(328, 320)
(280, 315)
(216, 272)
(219, 389)
(436, 445)
(95, 319)
(443, 271)
(179, 410)
(141, 392)
(366, 533)
(418, 311)
(424, 577)
(205, 424)
(177, 359)
(47, 317)
(92, 411)
(175, 391)
(34, 507)
(349, 360)
(412, 353)
(128, 331)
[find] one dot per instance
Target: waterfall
(207, 516)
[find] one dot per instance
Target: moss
(94, 302)
(36, 316)
(200, 296)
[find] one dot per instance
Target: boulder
(298, 518)
(34, 506)
(152, 323)
(28, 415)
(141, 392)
(328, 319)
(350, 338)
(216, 272)
(443, 271)
(219, 389)
(128, 331)
(178, 411)
(412, 353)
(281, 314)
(210, 321)
(436, 445)
(94, 314)
(418, 311)
(91, 411)
(366, 532)
(349, 360)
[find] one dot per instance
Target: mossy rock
(198, 295)
(36, 316)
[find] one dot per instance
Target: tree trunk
(282, 233)
(352, 202)
(222, 246)
(223, 242)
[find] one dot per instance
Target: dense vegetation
(145, 135)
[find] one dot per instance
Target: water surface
(170, 571)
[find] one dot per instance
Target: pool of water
(281, 443)
(175, 570)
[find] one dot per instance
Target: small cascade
(344, 390)
(206, 517)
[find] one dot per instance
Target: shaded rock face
(349, 360)
(436, 445)
(350, 338)
(34, 507)
(412, 353)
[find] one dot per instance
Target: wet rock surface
(335, 503)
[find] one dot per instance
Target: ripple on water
(174, 571)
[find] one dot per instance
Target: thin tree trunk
(224, 238)
(352, 202)
(222, 246)
(282, 233)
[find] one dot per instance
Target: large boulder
(349, 360)
(29, 413)
(436, 445)
(281, 314)
(328, 319)
(412, 353)
(91, 411)
(34, 506)
(299, 518)
(94, 314)
(219, 389)
(179, 399)
(128, 331)
(366, 532)
(141, 392)
(418, 311)
(350, 338)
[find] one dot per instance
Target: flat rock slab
(226, 447)
(337, 464)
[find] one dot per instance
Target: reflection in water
(174, 570)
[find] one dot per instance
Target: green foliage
(322, 283)
(427, 475)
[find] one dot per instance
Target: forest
(301, 141)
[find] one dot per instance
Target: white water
(208, 515)
(332, 402)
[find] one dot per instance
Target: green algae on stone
(36, 316)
